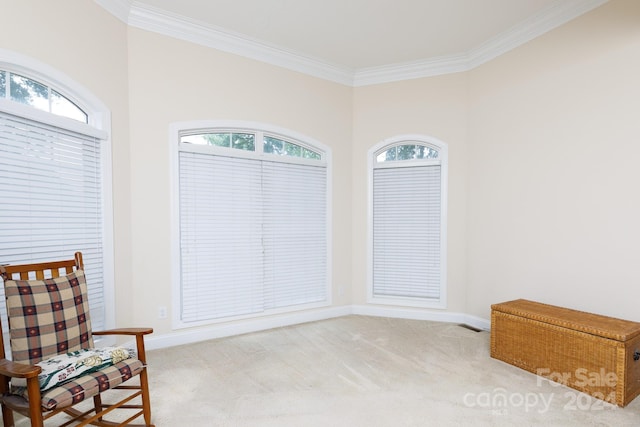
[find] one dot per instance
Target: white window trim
(442, 160)
(99, 126)
(175, 130)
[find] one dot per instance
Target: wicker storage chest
(591, 353)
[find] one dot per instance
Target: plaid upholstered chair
(55, 366)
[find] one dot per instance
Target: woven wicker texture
(570, 347)
(595, 324)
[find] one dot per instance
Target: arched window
(251, 221)
(407, 227)
(55, 175)
(25, 90)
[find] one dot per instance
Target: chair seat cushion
(88, 385)
(61, 369)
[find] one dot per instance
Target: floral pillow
(63, 368)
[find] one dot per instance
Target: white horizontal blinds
(295, 238)
(220, 236)
(406, 231)
(253, 235)
(51, 199)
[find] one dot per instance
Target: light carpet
(361, 371)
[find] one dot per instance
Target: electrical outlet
(162, 312)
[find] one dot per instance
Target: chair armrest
(139, 333)
(18, 370)
(125, 331)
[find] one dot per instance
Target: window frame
(178, 129)
(442, 161)
(98, 125)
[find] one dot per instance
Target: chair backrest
(47, 309)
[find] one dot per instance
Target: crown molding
(138, 14)
(447, 64)
(156, 20)
(118, 8)
(561, 12)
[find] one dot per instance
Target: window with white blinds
(252, 225)
(408, 202)
(51, 200)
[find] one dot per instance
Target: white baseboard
(182, 337)
(242, 327)
(417, 314)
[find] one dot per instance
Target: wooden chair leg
(144, 382)
(7, 414)
(35, 412)
(97, 404)
(7, 417)
(146, 403)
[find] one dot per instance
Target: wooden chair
(54, 363)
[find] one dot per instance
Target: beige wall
(543, 149)
(553, 168)
(88, 45)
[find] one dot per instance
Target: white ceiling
(356, 41)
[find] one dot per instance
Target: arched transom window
(246, 141)
(25, 90)
(407, 150)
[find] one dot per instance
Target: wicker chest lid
(594, 324)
